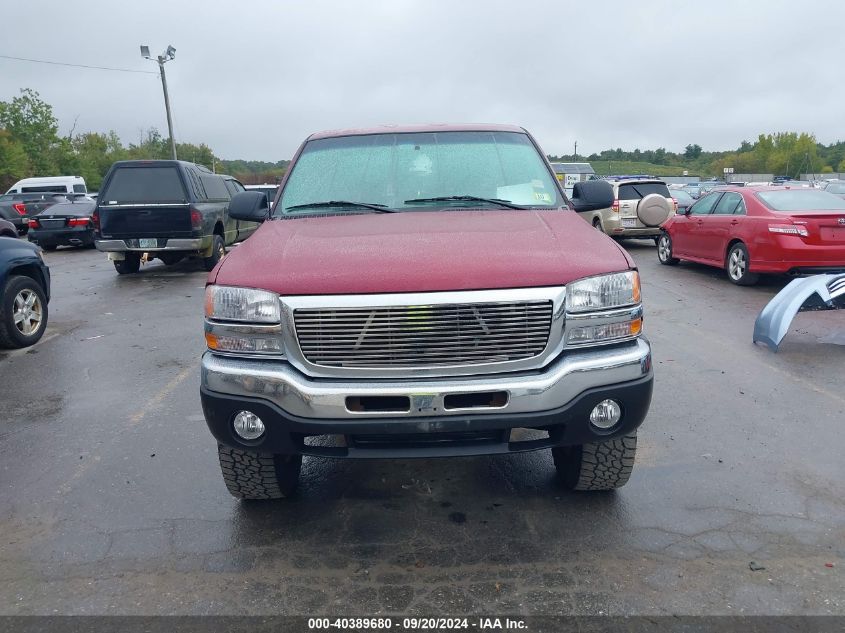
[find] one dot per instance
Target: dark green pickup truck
(166, 209)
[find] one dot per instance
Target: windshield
(70, 208)
(835, 188)
(790, 200)
(405, 171)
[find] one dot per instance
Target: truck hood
(422, 251)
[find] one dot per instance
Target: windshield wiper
(381, 208)
(496, 201)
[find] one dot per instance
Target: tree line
(783, 153)
(30, 145)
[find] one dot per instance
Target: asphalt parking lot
(111, 499)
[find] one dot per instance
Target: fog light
(248, 426)
(606, 414)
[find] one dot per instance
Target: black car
(17, 208)
(167, 209)
(24, 293)
(64, 224)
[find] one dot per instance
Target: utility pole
(162, 59)
(576, 151)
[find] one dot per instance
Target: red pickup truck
(423, 291)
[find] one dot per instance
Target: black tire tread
(250, 475)
(603, 465)
(671, 261)
(128, 266)
(211, 261)
(749, 278)
(14, 284)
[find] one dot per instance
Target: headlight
(234, 338)
(603, 293)
(614, 328)
(243, 321)
(226, 303)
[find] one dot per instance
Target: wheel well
(218, 229)
(735, 240)
(29, 270)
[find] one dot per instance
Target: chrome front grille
(441, 335)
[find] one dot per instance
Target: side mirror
(592, 195)
(251, 206)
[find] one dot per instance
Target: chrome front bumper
(121, 246)
(560, 382)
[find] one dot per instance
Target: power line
(44, 61)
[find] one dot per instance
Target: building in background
(570, 173)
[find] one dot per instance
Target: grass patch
(619, 167)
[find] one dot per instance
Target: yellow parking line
(161, 395)
(151, 404)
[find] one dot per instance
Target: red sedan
(753, 230)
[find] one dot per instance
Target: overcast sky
(253, 79)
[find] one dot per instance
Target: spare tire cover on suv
(654, 210)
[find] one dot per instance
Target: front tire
(603, 465)
(737, 266)
(50, 247)
(218, 252)
(23, 312)
(128, 266)
(251, 475)
(664, 251)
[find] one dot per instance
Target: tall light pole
(162, 59)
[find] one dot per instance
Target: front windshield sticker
(523, 193)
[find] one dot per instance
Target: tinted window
(50, 188)
(195, 184)
(234, 186)
(392, 169)
(26, 197)
(728, 204)
(70, 208)
(215, 187)
(790, 200)
(705, 205)
(683, 198)
(144, 184)
(638, 191)
(79, 188)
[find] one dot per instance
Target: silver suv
(641, 204)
